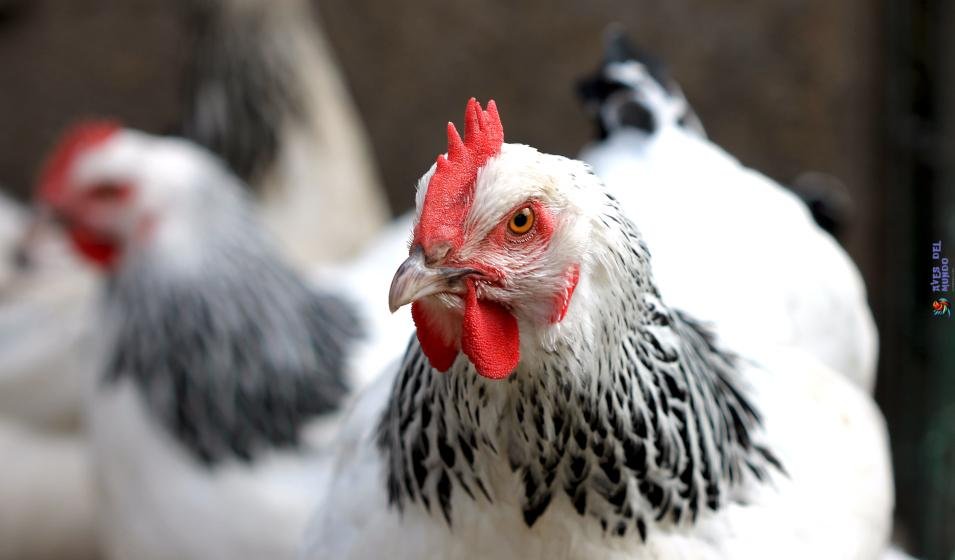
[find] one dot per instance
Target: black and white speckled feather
(645, 423)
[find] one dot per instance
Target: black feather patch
(233, 359)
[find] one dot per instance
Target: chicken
(729, 244)
(222, 370)
(45, 494)
(264, 93)
(579, 414)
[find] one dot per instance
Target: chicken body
(625, 430)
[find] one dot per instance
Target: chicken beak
(415, 280)
(23, 253)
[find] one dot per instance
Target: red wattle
(490, 337)
(440, 353)
(99, 251)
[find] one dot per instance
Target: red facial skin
(503, 239)
(489, 334)
(74, 211)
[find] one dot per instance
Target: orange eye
(108, 192)
(522, 221)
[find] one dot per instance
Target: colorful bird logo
(942, 307)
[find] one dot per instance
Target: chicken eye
(108, 192)
(522, 221)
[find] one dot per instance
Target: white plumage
(729, 244)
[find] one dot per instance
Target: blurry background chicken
(219, 369)
(855, 92)
(259, 79)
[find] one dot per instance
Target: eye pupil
(520, 220)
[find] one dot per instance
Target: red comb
(54, 175)
(451, 187)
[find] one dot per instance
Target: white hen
(221, 370)
(579, 415)
(729, 244)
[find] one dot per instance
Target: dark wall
(788, 86)
(64, 59)
(917, 382)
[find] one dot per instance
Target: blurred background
(862, 92)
